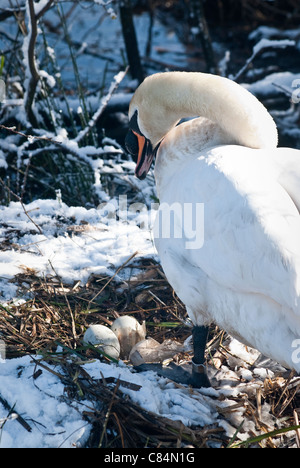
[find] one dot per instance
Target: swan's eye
(132, 144)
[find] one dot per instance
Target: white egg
(129, 332)
(103, 338)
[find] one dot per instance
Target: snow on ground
(73, 243)
(76, 242)
(55, 421)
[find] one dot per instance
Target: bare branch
(35, 77)
(29, 137)
(44, 10)
(102, 107)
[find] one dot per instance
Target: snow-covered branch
(262, 45)
(34, 14)
(104, 101)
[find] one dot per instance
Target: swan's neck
(184, 143)
(168, 97)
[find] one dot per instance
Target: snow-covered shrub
(49, 138)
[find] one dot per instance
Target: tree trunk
(130, 40)
(198, 21)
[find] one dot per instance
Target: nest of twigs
(57, 314)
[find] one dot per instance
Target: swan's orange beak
(144, 157)
(140, 148)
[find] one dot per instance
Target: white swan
(246, 275)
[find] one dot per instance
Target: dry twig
(29, 137)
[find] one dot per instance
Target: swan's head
(151, 116)
(140, 147)
(164, 98)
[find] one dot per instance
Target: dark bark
(198, 21)
(34, 74)
(130, 40)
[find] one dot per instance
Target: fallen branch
(11, 410)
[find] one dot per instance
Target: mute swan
(245, 274)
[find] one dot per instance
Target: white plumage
(246, 275)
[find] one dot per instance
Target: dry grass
(59, 314)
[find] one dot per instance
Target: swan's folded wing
(251, 225)
(288, 162)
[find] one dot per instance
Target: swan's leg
(195, 374)
(199, 375)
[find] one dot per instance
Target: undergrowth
(55, 143)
